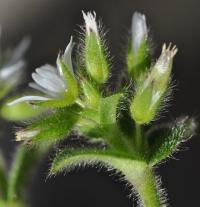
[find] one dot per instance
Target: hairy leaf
(165, 140)
(69, 158)
(136, 173)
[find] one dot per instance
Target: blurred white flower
(50, 80)
(12, 65)
(139, 31)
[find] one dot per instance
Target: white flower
(164, 62)
(90, 22)
(50, 80)
(139, 31)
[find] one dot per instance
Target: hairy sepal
(138, 63)
(21, 111)
(108, 109)
(55, 126)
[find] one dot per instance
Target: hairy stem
(138, 173)
(138, 136)
(144, 182)
(148, 191)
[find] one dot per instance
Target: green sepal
(108, 109)
(95, 58)
(93, 120)
(19, 112)
(91, 94)
(55, 126)
(138, 63)
(88, 123)
(164, 141)
(143, 108)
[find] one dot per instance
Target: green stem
(138, 173)
(148, 191)
(138, 137)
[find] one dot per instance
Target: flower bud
(138, 58)
(26, 135)
(151, 89)
(94, 50)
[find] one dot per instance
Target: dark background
(50, 24)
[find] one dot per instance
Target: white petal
(49, 84)
(41, 89)
(20, 50)
(164, 62)
(67, 55)
(26, 134)
(51, 76)
(139, 30)
(48, 68)
(28, 98)
(90, 22)
(10, 71)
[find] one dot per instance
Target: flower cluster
(113, 121)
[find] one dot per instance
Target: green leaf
(136, 173)
(69, 158)
(108, 109)
(22, 163)
(164, 141)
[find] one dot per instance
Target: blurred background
(50, 24)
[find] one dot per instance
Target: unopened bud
(138, 59)
(25, 135)
(94, 51)
(151, 90)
